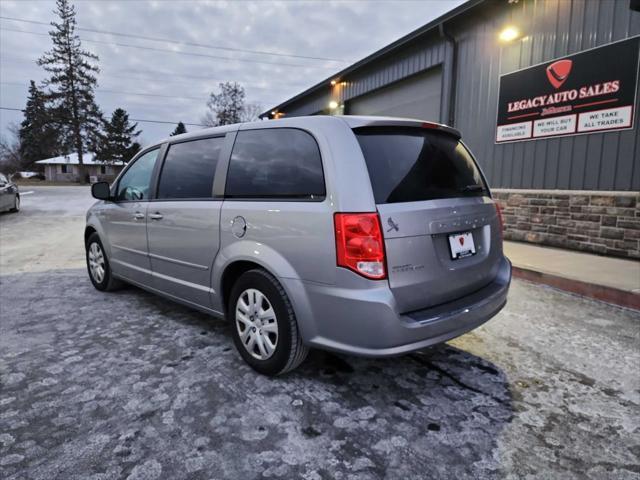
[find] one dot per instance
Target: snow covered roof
(72, 159)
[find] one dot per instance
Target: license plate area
(461, 245)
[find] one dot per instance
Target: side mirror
(101, 191)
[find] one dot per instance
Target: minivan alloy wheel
(96, 262)
(256, 323)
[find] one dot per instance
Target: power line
(179, 52)
(138, 94)
(132, 119)
(120, 92)
(145, 72)
(181, 42)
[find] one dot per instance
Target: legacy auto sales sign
(591, 91)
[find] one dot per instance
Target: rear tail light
(500, 219)
(359, 244)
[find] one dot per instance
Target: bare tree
(251, 112)
(229, 106)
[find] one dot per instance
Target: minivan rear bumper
(367, 323)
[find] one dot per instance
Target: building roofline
(401, 42)
(72, 159)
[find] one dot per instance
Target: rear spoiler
(359, 122)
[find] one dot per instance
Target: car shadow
(443, 406)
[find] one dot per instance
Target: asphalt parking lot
(127, 385)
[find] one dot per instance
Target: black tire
(289, 350)
(107, 283)
(16, 204)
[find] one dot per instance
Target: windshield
(413, 164)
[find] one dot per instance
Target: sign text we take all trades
(587, 92)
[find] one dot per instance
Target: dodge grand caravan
(369, 236)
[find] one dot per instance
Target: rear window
(275, 163)
(413, 164)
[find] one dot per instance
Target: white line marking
(26, 193)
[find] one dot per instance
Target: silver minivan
(369, 236)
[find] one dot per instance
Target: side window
(134, 184)
(275, 163)
(189, 168)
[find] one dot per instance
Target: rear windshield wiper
(472, 188)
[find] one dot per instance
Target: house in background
(66, 168)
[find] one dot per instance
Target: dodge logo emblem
(558, 72)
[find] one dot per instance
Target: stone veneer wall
(607, 223)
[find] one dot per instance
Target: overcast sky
(170, 81)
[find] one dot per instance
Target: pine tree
(38, 137)
(227, 106)
(180, 128)
(71, 85)
(117, 142)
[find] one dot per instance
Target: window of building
(275, 163)
(189, 168)
(63, 169)
(103, 169)
(134, 184)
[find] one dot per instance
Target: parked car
(369, 236)
(9, 195)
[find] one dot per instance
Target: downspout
(454, 74)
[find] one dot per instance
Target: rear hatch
(440, 225)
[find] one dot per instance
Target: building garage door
(414, 97)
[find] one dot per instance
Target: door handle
(138, 216)
(155, 216)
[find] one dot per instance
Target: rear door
(275, 209)
(441, 229)
(183, 220)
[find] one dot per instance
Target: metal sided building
(545, 93)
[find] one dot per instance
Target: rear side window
(189, 168)
(275, 163)
(413, 164)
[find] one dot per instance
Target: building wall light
(333, 105)
(333, 83)
(509, 34)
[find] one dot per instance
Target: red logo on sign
(558, 72)
(461, 240)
